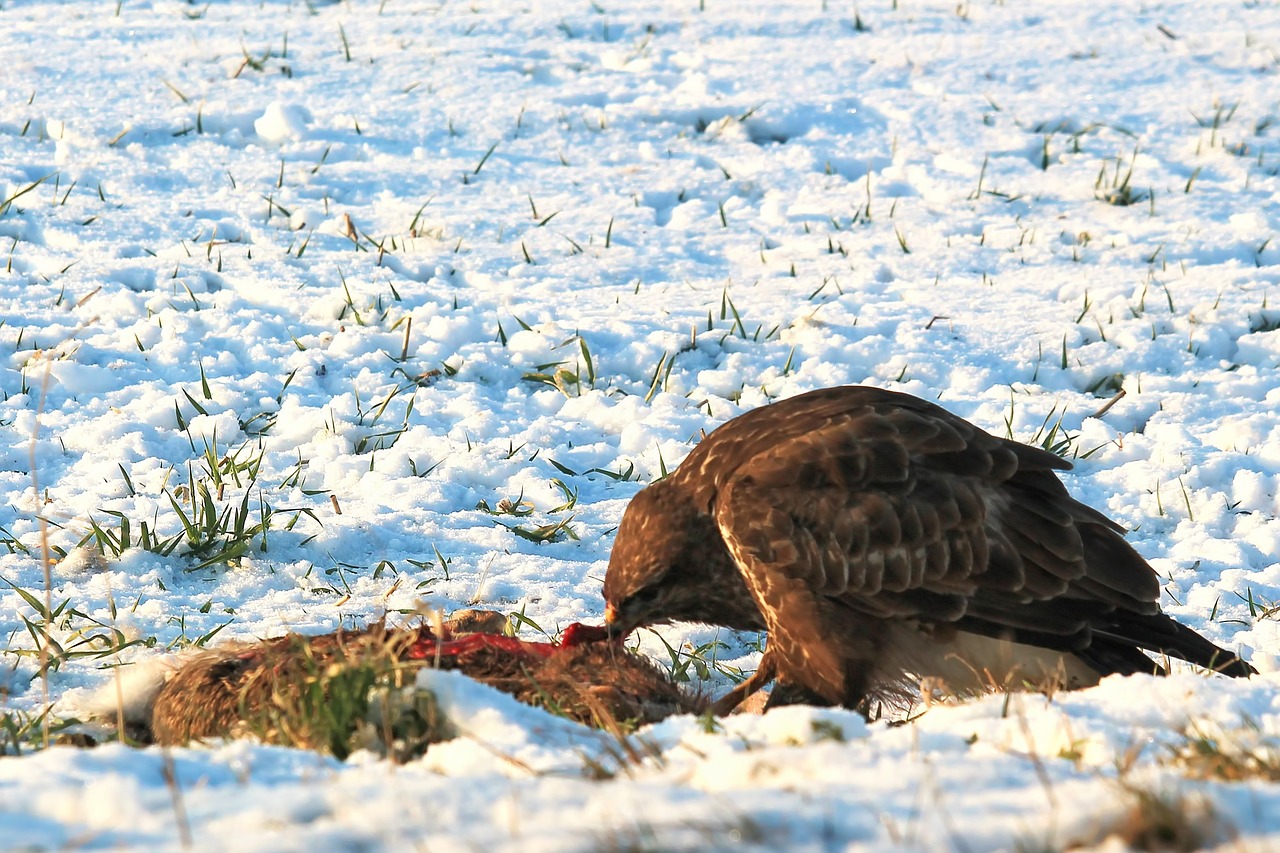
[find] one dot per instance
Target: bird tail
(1162, 635)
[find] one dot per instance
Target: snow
(333, 242)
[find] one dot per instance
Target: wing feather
(889, 527)
(891, 504)
(775, 564)
(847, 508)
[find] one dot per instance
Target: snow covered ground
(355, 272)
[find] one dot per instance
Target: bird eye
(648, 595)
(640, 602)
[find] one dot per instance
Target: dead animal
(315, 691)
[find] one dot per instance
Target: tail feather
(1113, 643)
(1162, 635)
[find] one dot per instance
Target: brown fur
(268, 689)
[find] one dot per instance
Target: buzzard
(880, 539)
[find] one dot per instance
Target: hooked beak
(613, 621)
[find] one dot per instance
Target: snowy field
(314, 312)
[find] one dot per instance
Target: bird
(883, 542)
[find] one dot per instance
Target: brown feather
(836, 518)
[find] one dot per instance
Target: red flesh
(576, 634)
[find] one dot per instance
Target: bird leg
(739, 694)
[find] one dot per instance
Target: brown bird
(880, 539)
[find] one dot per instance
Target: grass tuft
(1243, 754)
(1114, 183)
(1166, 821)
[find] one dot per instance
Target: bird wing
(783, 591)
(899, 509)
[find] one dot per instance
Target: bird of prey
(881, 540)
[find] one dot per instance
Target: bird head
(669, 563)
(648, 548)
